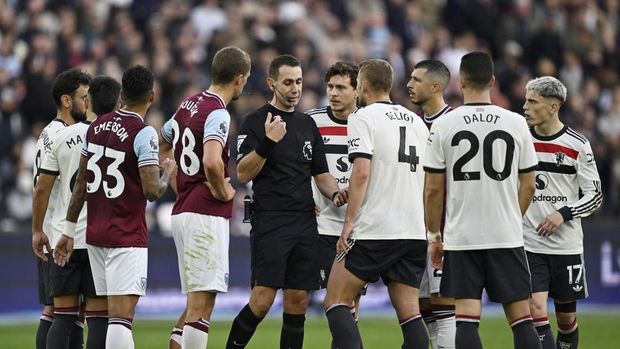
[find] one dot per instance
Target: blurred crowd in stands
(574, 40)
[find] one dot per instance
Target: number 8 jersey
(117, 145)
(482, 148)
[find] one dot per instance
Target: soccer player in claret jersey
(198, 131)
(74, 281)
(119, 170)
(428, 82)
(341, 82)
(70, 92)
(380, 239)
(483, 155)
(568, 188)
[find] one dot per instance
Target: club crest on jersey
(559, 158)
(307, 150)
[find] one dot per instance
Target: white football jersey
(567, 181)
(482, 148)
(393, 138)
(334, 133)
(63, 161)
(44, 146)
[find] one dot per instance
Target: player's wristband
(433, 236)
(334, 194)
(265, 147)
(70, 229)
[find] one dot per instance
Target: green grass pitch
(596, 331)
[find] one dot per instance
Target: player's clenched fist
(275, 128)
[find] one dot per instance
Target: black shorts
(502, 272)
(284, 250)
(564, 276)
(75, 277)
(401, 261)
(43, 276)
(327, 254)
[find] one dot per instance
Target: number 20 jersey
(392, 137)
(482, 148)
(117, 145)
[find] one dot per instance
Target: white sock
(196, 334)
(446, 331)
(119, 334)
(432, 333)
(177, 336)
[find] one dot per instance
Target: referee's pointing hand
(275, 128)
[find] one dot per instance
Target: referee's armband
(433, 236)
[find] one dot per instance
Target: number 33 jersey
(117, 145)
(393, 138)
(482, 148)
(63, 161)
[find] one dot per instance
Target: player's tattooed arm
(153, 184)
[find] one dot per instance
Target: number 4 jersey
(117, 145)
(482, 148)
(63, 161)
(392, 137)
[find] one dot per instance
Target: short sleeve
(319, 161)
(360, 137)
(528, 161)
(434, 159)
(247, 139)
(216, 126)
(146, 147)
(167, 131)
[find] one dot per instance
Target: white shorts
(202, 250)
(118, 270)
(431, 280)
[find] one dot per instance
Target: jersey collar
(548, 138)
(333, 118)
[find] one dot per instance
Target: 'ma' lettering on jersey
(73, 141)
(114, 127)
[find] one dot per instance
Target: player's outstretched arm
(40, 199)
(219, 186)
(154, 186)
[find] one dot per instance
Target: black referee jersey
(284, 182)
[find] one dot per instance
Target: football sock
(45, 322)
(119, 334)
(77, 336)
(97, 322)
(431, 325)
(524, 334)
(568, 336)
(467, 336)
(446, 325)
(544, 332)
(242, 328)
(59, 334)
(292, 335)
(414, 333)
(176, 336)
(343, 328)
(195, 334)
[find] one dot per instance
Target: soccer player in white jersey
(341, 82)
(568, 188)
(426, 87)
(69, 91)
(76, 279)
(485, 157)
(384, 216)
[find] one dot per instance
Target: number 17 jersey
(482, 148)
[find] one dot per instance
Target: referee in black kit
(280, 150)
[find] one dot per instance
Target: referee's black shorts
(502, 272)
(284, 250)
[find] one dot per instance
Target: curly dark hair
(104, 92)
(137, 84)
(67, 82)
(345, 69)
